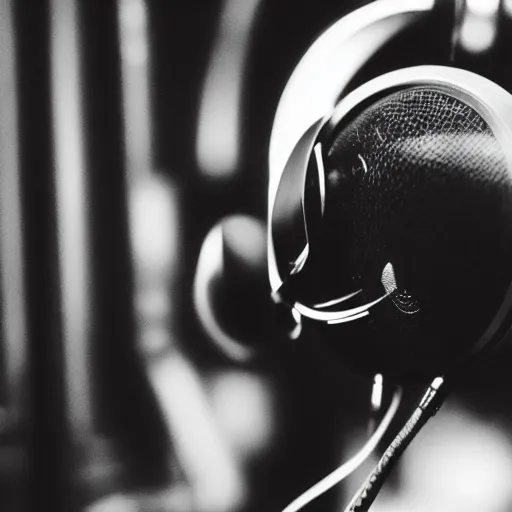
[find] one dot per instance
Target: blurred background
(133, 189)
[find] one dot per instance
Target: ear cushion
(417, 204)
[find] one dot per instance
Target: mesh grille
(419, 181)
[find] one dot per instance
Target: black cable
(429, 405)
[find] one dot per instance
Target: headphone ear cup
(430, 225)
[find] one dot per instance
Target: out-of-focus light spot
(247, 239)
(153, 303)
(133, 42)
(477, 33)
(133, 13)
(177, 498)
(467, 454)
(155, 340)
(478, 30)
(218, 139)
(507, 7)
(457, 463)
(133, 31)
(72, 207)
(115, 503)
(136, 53)
(243, 407)
(210, 468)
(154, 226)
(483, 7)
(12, 271)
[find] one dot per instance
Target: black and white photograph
(256, 256)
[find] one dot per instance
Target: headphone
(389, 228)
(390, 200)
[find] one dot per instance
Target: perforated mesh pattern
(418, 180)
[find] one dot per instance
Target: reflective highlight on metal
(377, 392)
(337, 316)
(336, 301)
(388, 278)
(288, 237)
(349, 318)
(321, 175)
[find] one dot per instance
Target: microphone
(418, 206)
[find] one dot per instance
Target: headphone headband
(321, 75)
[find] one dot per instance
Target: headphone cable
(428, 407)
(352, 464)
